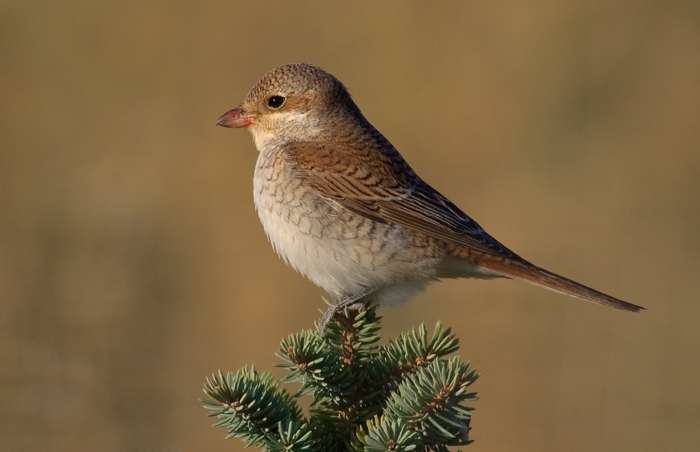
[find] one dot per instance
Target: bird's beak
(235, 118)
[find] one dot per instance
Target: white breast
(336, 249)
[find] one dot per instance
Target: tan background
(132, 263)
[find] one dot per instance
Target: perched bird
(341, 205)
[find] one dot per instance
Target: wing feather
(377, 183)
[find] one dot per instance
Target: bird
(341, 205)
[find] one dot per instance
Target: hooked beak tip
(234, 119)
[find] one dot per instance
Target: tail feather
(540, 277)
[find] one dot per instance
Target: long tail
(543, 278)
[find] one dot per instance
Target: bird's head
(294, 102)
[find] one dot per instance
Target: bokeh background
(132, 263)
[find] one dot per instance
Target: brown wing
(377, 183)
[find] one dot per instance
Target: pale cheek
(301, 122)
(284, 127)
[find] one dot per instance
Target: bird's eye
(275, 102)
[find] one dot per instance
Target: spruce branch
(431, 401)
(292, 437)
(321, 372)
(411, 351)
(383, 434)
(251, 406)
(402, 396)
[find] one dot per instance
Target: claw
(352, 301)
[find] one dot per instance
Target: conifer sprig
(431, 402)
(251, 406)
(402, 396)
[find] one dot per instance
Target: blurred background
(132, 262)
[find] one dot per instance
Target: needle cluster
(406, 395)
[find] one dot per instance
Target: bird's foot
(352, 301)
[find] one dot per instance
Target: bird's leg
(340, 304)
